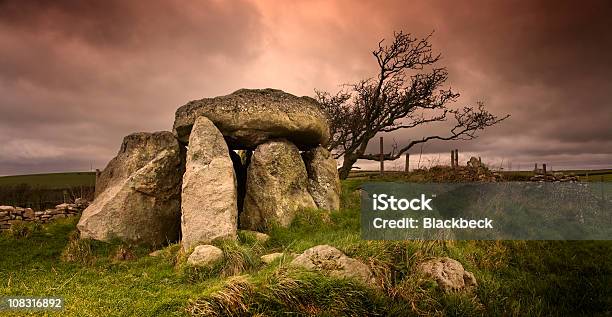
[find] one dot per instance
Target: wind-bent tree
(407, 92)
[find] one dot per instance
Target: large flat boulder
(249, 117)
(138, 193)
(277, 186)
(323, 180)
(209, 195)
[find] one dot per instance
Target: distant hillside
(51, 180)
(41, 191)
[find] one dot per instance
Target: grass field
(603, 175)
(41, 191)
(51, 180)
(516, 278)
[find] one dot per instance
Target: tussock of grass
(23, 229)
(89, 252)
(238, 258)
(170, 253)
(231, 300)
(247, 238)
(78, 251)
(310, 293)
(425, 299)
(290, 291)
(124, 253)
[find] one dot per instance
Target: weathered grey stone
(276, 186)
(29, 213)
(136, 151)
(7, 209)
(448, 273)
(63, 206)
(138, 192)
(209, 193)
(332, 261)
(323, 179)
(249, 117)
(81, 203)
(205, 255)
(269, 258)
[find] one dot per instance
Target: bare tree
(403, 95)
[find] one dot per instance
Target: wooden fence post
(382, 158)
(456, 158)
(407, 165)
(452, 159)
(544, 169)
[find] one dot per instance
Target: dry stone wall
(10, 215)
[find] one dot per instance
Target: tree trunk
(347, 165)
(351, 158)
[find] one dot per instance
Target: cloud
(83, 75)
(543, 62)
(75, 77)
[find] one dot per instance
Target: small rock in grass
(448, 273)
(269, 258)
(332, 261)
(205, 255)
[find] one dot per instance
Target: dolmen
(248, 160)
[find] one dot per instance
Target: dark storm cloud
(544, 62)
(560, 48)
(76, 76)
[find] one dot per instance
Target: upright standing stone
(138, 193)
(277, 186)
(209, 187)
(323, 179)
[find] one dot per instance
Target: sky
(77, 76)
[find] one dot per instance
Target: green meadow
(51, 180)
(516, 278)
